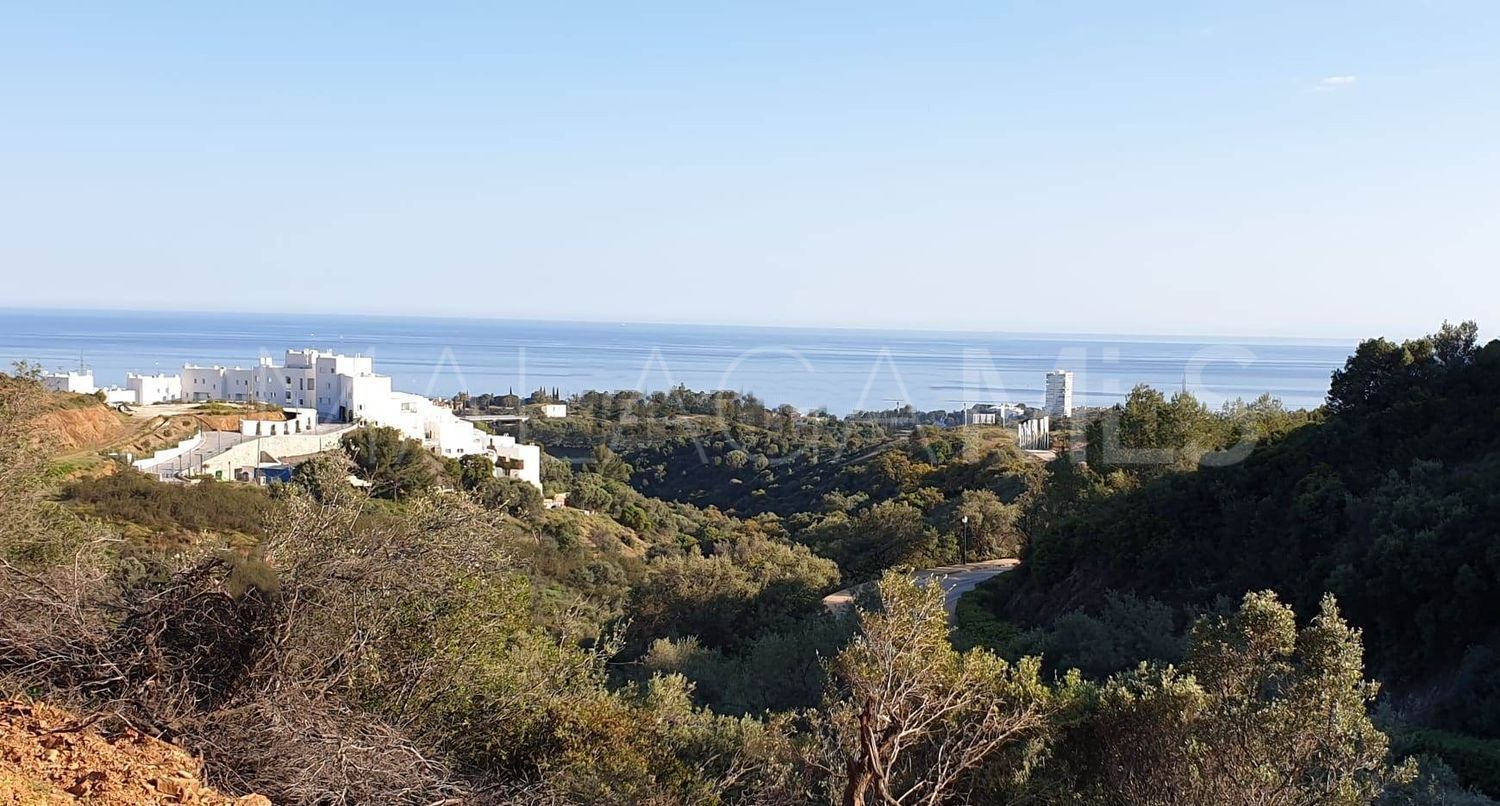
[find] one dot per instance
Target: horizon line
(915, 329)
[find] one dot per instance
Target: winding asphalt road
(955, 579)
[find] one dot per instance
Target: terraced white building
(344, 389)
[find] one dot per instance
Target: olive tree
(911, 719)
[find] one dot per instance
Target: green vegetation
(1388, 504)
(1474, 761)
(850, 489)
(172, 511)
(396, 466)
(442, 636)
(977, 623)
(216, 407)
(1261, 713)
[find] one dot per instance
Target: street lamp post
(963, 543)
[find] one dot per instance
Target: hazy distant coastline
(840, 369)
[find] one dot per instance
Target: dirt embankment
(77, 429)
(155, 434)
(231, 422)
(68, 424)
(47, 757)
(143, 437)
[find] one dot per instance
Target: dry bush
(257, 659)
(358, 653)
(306, 751)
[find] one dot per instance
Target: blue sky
(1280, 168)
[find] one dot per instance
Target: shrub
(171, 509)
(395, 466)
(1475, 761)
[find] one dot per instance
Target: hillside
(442, 636)
(76, 428)
(1389, 504)
(732, 464)
(78, 431)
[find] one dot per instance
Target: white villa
(158, 388)
(341, 389)
(138, 390)
(79, 382)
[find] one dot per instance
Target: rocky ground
(48, 756)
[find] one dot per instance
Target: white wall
(115, 394)
(80, 382)
(530, 457)
(171, 453)
(247, 454)
(150, 389)
(302, 420)
(239, 384)
(202, 383)
(366, 397)
(1034, 435)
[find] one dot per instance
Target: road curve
(955, 579)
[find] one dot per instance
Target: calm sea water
(842, 370)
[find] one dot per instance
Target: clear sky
(1285, 168)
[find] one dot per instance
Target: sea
(840, 370)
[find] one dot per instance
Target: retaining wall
(169, 454)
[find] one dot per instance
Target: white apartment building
(158, 388)
(79, 382)
(1059, 400)
(447, 434)
(235, 384)
(202, 383)
(343, 389)
(309, 379)
(140, 389)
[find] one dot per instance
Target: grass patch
(72, 467)
(234, 408)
